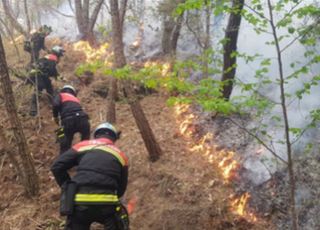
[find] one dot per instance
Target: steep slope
(182, 190)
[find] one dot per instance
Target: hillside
(185, 189)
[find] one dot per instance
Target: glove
(56, 120)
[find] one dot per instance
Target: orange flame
(202, 146)
(163, 66)
(94, 54)
(239, 207)
(131, 205)
(228, 165)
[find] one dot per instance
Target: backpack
(27, 46)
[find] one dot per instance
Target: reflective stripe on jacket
(101, 169)
(96, 198)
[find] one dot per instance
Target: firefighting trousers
(84, 215)
(72, 125)
(43, 82)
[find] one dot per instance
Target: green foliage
(92, 67)
(104, 31)
(207, 92)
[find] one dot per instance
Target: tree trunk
(168, 26)
(145, 131)
(9, 32)
(171, 27)
(231, 37)
(294, 217)
(13, 20)
(85, 22)
(176, 34)
(207, 40)
(30, 177)
(123, 8)
(25, 5)
(6, 148)
(111, 106)
(120, 61)
(3, 32)
(148, 137)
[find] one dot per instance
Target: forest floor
(184, 189)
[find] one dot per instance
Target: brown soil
(182, 190)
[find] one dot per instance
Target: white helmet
(58, 50)
(108, 128)
(69, 87)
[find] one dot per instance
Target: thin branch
(107, 7)
(301, 133)
(260, 94)
(300, 36)
(259, 140)
(294, 219)
(256, 12)
(193, 32)
(71, 7)
(292, 8)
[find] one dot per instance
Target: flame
(201, 146)
(94, 54)
(227, 163)
(131, 205)
(184, 126)
(164, 67)
(229, 166)
(181, 108)
(239, 207)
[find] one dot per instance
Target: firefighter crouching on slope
(41, 73)
(93, 194)
(73, 118)
(37, 42)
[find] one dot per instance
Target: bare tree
(9, 32)
(85, 21)
(13, 20)
(230, 47)
(26, 11)
(203, 37)
(111, 106)
(171, 26)
(151, 144)
(28, 175)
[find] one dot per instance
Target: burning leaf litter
(227, 163)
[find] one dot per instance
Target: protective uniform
(41, 73)
(37, 42)
(101, 178)
(73, 118)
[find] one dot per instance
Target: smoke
(250, 43)
(298, 110)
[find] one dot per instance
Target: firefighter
(37, 42)
(101, 180)
(67, 106)
(41, 73)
